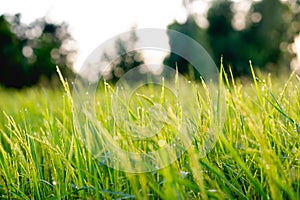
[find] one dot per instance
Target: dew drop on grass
(183, 174)
(212, 190)
(161, 143)
(115, 137)
(74, 186)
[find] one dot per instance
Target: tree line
(263, 34)
(31, 52)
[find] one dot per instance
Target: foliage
(256, 156)
(30, 53)
(126, 60)
(266, 38)
(191, 29)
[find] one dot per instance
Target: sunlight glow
(93, 22)
(297, 47)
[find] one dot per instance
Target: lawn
(43, 154)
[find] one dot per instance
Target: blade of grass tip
(130, 111)
(225, 74)
(298, 77)
(207, 104)
(232, 78)
(235, 88)
(220, 90)
(149, 100)
(199, 100)
(255, 83)
(107, 102)
(219, 174)
(6, 169)
(177, 85)
(226, 79)
(281, 111)
(239, 161)
(177, 79)
(285, 86)
(162, 95)
(24, 143)
(65, 85)
(279, 107)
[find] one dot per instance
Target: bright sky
(94, 21)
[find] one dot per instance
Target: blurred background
(35, 36)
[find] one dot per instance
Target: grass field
(255, 157)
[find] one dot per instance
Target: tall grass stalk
(42, 155)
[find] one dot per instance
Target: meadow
(256, 155)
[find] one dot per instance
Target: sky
(92, 22)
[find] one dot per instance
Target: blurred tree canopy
(264, 34)
(126, 60)
(191, 29)
(29, 53)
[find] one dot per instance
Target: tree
(225, 41)
(191, 29)
(126, 59)
(271, 26)
(11, 59)
(30, 52)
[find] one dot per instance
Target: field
(256, 156)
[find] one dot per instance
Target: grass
(43, 155)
